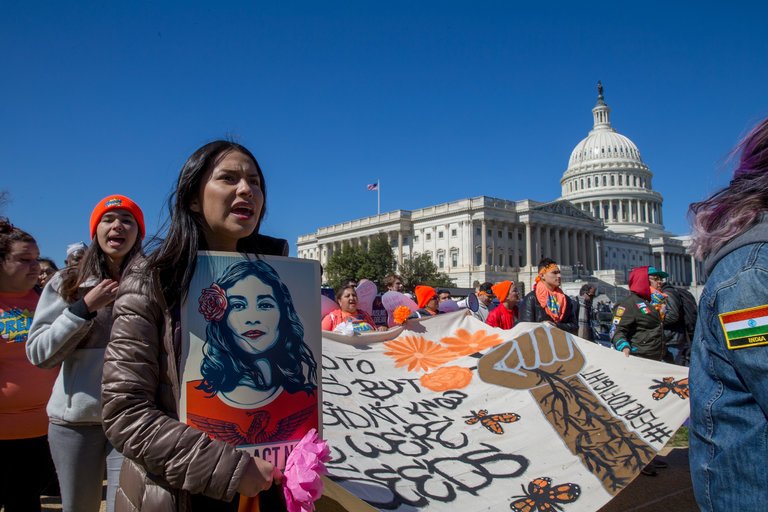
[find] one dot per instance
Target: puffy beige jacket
(165, 461)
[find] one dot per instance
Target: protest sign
(251, 346)
(451, 412)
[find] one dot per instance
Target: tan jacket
(165, 460)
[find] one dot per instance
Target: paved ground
(670, 490)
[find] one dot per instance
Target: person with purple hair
(729, 359)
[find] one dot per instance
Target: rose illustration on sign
(213, 303)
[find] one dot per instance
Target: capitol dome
(604, 144)
(606, 177)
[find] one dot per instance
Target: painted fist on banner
(544, 348)
(547, 361)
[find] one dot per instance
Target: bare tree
(5, 199)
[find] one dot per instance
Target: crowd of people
(496, 304)
(89, 354)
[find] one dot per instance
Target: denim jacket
(729, 388)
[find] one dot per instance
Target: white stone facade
(608, 220)
(477, 239)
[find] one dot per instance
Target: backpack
(689, 309)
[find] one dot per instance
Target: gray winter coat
(59, 336)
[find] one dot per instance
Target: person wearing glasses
(47, 269)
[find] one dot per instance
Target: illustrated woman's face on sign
(254, 315)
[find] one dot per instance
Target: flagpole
(378, 194)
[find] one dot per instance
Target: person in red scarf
(547, 302)
(505, 315)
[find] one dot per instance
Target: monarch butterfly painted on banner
(663, 387)
(491, 421)
(541, 496)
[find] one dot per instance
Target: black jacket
(636, 323)
(531, 311)
(674, 326)
(263, 244)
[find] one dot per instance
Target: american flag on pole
(373, 186)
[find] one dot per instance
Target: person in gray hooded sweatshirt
(71, 327)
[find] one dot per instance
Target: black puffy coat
(531, 311)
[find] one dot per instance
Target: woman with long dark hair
(218, 204)
(729, 353)
(71, 329)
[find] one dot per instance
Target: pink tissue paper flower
(302, 485)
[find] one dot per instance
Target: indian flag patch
(745, 327)
(643, 307)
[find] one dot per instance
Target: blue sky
(440, 100)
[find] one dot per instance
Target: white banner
(451, 412)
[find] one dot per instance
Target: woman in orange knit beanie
(505, 315)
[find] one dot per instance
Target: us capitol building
(607, 221)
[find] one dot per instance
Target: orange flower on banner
(401, 314)
(465, 343)
(417, 353)
(447, 377)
